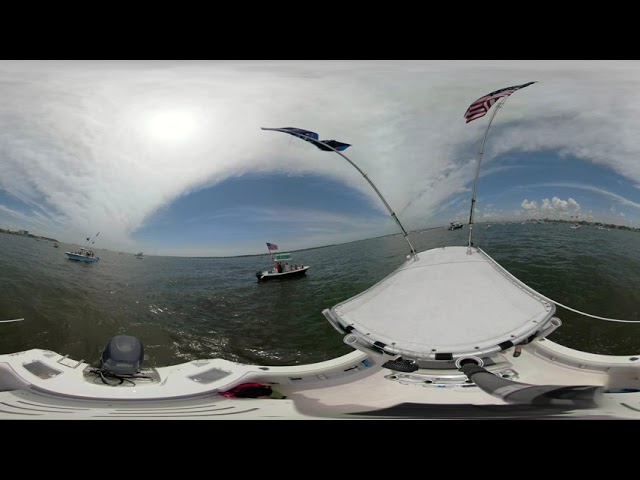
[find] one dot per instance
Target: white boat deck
(352, 386)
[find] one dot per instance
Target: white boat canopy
(447, 303)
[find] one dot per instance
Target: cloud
(89, 146)
(557, 205)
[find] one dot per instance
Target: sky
(169, 157)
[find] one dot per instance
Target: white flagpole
(366, 177)
(498, 106)
(270, 252)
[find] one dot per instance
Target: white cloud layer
(102, 145)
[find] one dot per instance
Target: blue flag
(312, 137)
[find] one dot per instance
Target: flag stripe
(481, 106)
(272, 246)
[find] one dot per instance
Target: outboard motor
(123, 355)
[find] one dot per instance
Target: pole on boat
(88, 243)
(326, 145)
(269, 245)
(475, 182)
(478, 109)
(14, 320)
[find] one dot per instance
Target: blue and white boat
(83, 255)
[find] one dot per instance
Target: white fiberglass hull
(353, 386)
(81, 258)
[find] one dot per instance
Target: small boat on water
(85, 254)
(576, 226)
(139, 255)
(56, 245)
(282, 268)
(450, 334)
(454, 225)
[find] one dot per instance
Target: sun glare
(171, 126)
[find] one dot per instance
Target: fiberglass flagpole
(475, 183)
(478, 109)
(366, 177)
(327, 147)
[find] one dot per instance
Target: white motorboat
(282, 268)
(450, 334)
(476, 347)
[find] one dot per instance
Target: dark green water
(188, 308)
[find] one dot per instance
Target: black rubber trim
(444, 356)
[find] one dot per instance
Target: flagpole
(366, 177)
(89, 242)
(269, 250)
(476, 110)
(475, 183)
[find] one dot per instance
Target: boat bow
(446, 304)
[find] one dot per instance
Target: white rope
(588, 314)
(16, 320)
(509, 275)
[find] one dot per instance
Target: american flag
(480, 107)
(272, 246)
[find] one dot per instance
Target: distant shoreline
(529, 220)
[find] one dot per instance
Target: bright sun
(172, 126)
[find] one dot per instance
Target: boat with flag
(282, 266)
(85, 254)
(450, 334)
